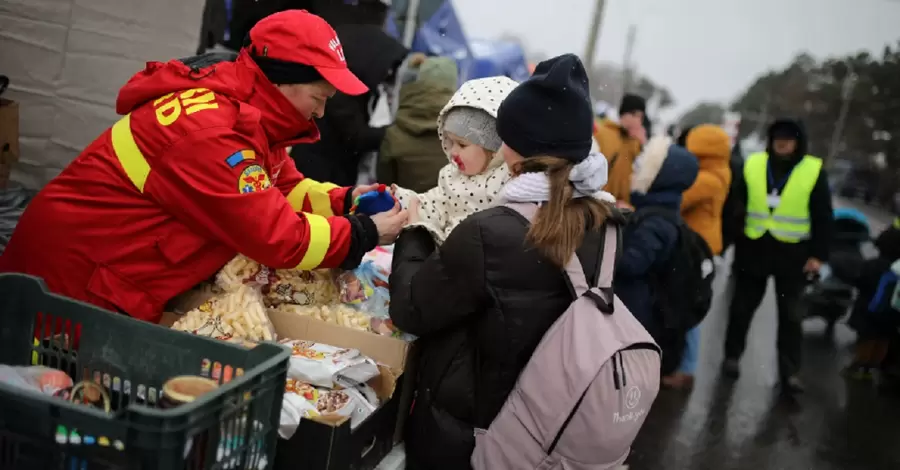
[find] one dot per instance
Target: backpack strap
(602, 292)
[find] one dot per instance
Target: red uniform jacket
(195, 172)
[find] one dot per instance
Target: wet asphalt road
(746, 425)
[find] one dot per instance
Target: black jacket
(372, 56)
(480, 305)
(866, 324)
(767, 255)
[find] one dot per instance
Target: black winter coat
(866, 324)
(372, 56)
(767, 255)
(480, 305)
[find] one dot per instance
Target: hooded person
(412, 154)
(374, 57)
(500, 285)
(196, 172)
(701, 204)
(785, 231)
(473, 172)
(875, 330)
(621, 143)
(701, 209)
(662, 173)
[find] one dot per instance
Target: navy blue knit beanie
(550, 114)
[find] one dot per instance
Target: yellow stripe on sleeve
(126, 149)
(319, 201)
(319, 241)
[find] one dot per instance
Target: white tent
(67, 59)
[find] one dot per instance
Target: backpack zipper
(615, 371)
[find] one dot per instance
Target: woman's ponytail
(561, 222)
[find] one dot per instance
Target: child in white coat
(475, 174)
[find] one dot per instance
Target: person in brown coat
(621, 144)
(701, 204)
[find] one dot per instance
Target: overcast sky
(700, 49)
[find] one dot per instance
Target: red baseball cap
(300, 37)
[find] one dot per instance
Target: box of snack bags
(350, 386)
(335, 443)
(331, 439)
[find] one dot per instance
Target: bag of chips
(291, 286)
(366, 288)
(328, 366)
(338, 314)
(241, 271)
(236, 315)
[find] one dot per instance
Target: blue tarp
(442, 34)
(494, 58)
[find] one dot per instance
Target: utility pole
(627, 68)
(411, 23)
(593, 34)
(846, 94)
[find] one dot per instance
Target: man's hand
(390, 223)
(365, 188)
(812, 266)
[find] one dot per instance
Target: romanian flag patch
(236, 158)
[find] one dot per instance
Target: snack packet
(237, 315)
(327, 366)
(382, 256)
(337, 314)
(290, 286)
(36, 378)
(302, 400)
(366, 288)
(241, 271)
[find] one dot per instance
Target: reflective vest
(789, 221)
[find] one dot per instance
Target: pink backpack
(582, 398)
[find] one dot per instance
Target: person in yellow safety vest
(785, 231)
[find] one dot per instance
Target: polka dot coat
(456, 195)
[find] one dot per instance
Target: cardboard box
(387, 350)
(332, 445)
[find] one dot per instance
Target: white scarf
(588, 177)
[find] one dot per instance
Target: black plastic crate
(234, 427)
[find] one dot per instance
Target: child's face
(468, 157)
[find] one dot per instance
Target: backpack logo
(335, 45)
(632, 397)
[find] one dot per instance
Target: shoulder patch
(236, 158)
(253, 179)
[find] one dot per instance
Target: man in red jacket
(197, 171)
